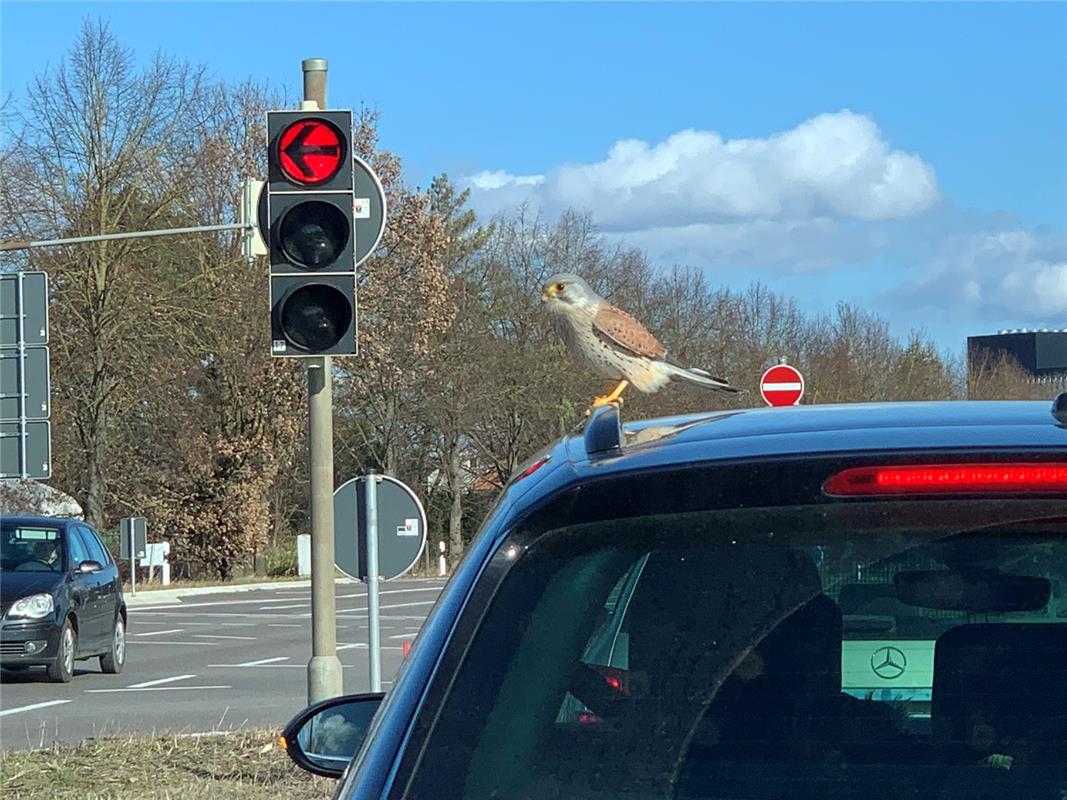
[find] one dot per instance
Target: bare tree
(100, 146)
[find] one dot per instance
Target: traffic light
(311, 233)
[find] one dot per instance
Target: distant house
(1043, 354)
(476, 478)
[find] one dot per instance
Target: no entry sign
(782, 385)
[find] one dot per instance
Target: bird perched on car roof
(613, 343)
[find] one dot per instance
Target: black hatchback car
(60, 597)
(843, 603)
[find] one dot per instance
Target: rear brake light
(530, 470)
(949, 479)
(617, 679)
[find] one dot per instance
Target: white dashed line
(217, 636)
(146, 684)
(156, 689)
(34, 707)
(258, 663)
(160, 633)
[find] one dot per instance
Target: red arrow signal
(311, 151)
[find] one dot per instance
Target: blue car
(677, 608)
(60, 597)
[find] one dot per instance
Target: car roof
(605, 445)
(605, 442)
(51, 522)
(1031, 420)
(873, 426)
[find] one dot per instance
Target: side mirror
(325, 737)
(88, 567)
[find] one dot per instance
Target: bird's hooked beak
(549, 294)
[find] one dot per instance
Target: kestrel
(613, 343)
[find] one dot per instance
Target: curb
(159, 596)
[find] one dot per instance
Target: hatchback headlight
(36, 606)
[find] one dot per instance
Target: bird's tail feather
(701, 378)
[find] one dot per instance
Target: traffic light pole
(324, 668)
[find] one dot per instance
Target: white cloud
(833, 166)
(830, 195)
(498, 179)
(1002, 272)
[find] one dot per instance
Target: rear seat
(1000, 694)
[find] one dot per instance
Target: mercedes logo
(889, 663)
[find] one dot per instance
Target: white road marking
(403, 636)
(217, 636)
(146, 684)
(156, 689)
(187, 644)
(262, 600)
(364, 646)
(34, 707)
(391, 591)
(285, 625)
(159, 633)
(282, 608)
(258, 663)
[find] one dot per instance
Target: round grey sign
(401, 527)
(368, 209)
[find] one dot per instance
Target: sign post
(379, 534)
(133, 544)
(370, 542)
(782, 385)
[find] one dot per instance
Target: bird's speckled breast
(576, 329)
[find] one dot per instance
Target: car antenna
(1059, 408)
(603, 431)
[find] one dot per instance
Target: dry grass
(245, 765)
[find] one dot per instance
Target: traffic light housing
(311, 233)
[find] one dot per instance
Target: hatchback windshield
(896, 650)
(30, 549)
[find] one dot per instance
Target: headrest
(993, 681)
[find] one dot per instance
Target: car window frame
(74, 539)
(93, 542)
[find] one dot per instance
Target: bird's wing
(622, 330)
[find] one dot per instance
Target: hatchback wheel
(61, 670)
(113, 660)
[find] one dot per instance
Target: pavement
(202, 660)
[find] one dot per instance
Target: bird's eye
(560, 287)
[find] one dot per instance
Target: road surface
(210, 662)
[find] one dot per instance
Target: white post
(442, 564)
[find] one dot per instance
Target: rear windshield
(896, 650)
(30, 548)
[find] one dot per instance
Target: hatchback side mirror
(325, 737)
(88, 567)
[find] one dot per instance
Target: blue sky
(909, 157)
